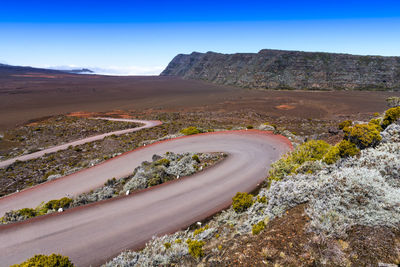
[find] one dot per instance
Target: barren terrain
(26, 98)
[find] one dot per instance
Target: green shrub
(154, 181)
(363, 135)
(200, 230)
(242, 201)
(190, 130)
(46, 261)
(196, 158)
(262, 199)
(391, 115)
(376, 123)
(343, 149)
(310, 151)
(393, 101)
(347, 149)
(332, 155)
(164, 162)
(178, 241)
(110, 182)
(249, 127)
(167, 245)
(59, 203)
(27, 212)
(345, 124)
(195, 248)
(257, 228)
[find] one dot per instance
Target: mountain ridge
(6, 69)
(281, 69)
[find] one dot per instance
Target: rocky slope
(278, 69)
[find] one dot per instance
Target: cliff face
(276, 69)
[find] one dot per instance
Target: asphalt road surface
(92, 234)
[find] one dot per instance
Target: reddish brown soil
(26, 98)
(285, 107)
(112, 114)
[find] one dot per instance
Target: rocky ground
(40, 134)
(343, 214)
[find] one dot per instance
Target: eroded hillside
(278, 69)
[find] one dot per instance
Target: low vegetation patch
(310, 151)
(42, 209)
(257, 228)
(195, 248)
(191, 130)
(242, 201)
(363, 135)
(391, 115)
(53, 260)
(393, 101)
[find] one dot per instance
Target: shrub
(56, 204)
(249, 127)
(363, 135)
(376, 123)
(164, 162)
(310, 151)
(257, 228)
(341, 150)
(196, 158)
(195, 248)
(178, 241)
(332, 155)
(46, 261)
(110, 182)
(167, 245)
(262, 199)
(27, 212)
(190, 130)
(242, 201)
(347, 149)
(154, 181)
(200, 230)
(345, 124)
(391, 115)
(393, 101)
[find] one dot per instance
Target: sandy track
(91, 234)
(147, 124)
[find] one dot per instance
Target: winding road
(94, 233)
(147, 124)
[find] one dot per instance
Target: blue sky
(141, 37)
